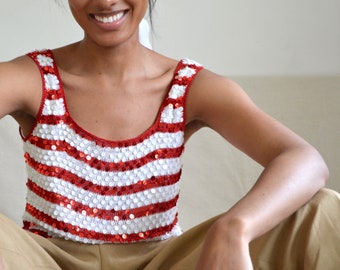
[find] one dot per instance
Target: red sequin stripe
(84, 233)
(153, 182)
(53, 94)
(46, 52)
(101, 213)
(121, 166)
(176, 103)
(183, 80)
(29, 226)
(167, 127)
(52, 119)
(44, 69)
(62, 119)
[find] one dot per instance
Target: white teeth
(109, 19)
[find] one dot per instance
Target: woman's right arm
(19, 82)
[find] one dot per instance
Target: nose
(106, 4)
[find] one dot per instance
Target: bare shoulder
(221, 104)
(164, 64)
(22, 65)
(214, 81)
(210, 93)
(19, 85)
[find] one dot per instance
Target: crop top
(91, 190)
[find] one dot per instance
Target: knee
(324, 206)
(326, 197)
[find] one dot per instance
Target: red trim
(64, 119)
(79, 130)
(33, 56)
(61, 94)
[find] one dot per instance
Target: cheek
(77, 6)
(78, 11)
(142, 9)
(140, 5)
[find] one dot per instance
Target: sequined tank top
(92, 190)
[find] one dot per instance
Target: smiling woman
(104, 122)
(144, 29)
(100, 28)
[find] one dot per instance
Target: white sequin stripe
(177, 91)
(54, 107)
(159, 167)
(187, 72)
(44, 60)
(63, 132)
(172, 115)
(51, 82)
(96, 224)
(53, 232)
(106, 202)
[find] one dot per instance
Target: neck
(117, 61)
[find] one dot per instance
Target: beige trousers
(308, 240)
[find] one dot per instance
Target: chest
(114, 112)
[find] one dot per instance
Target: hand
(224, 249)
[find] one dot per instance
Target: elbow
(325, 172)
(322, 170)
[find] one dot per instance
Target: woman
(103, 142)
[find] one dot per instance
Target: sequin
(51, 82)
(97, 191)
(44, 61)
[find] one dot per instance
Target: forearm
(287, 183)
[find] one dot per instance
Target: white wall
(247, 37)
(243, 37)
(26, 25)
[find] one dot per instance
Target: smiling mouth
(109, 19)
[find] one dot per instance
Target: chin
(113, 41)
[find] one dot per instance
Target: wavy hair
(152, 4)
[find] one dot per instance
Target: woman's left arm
(293, 170)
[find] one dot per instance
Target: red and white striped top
(92, 190)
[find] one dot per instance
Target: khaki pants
(309, 239)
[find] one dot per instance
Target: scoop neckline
(130, 141)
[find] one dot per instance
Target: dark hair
(151, 6)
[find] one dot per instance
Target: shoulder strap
(53, 99)
(173, 111)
